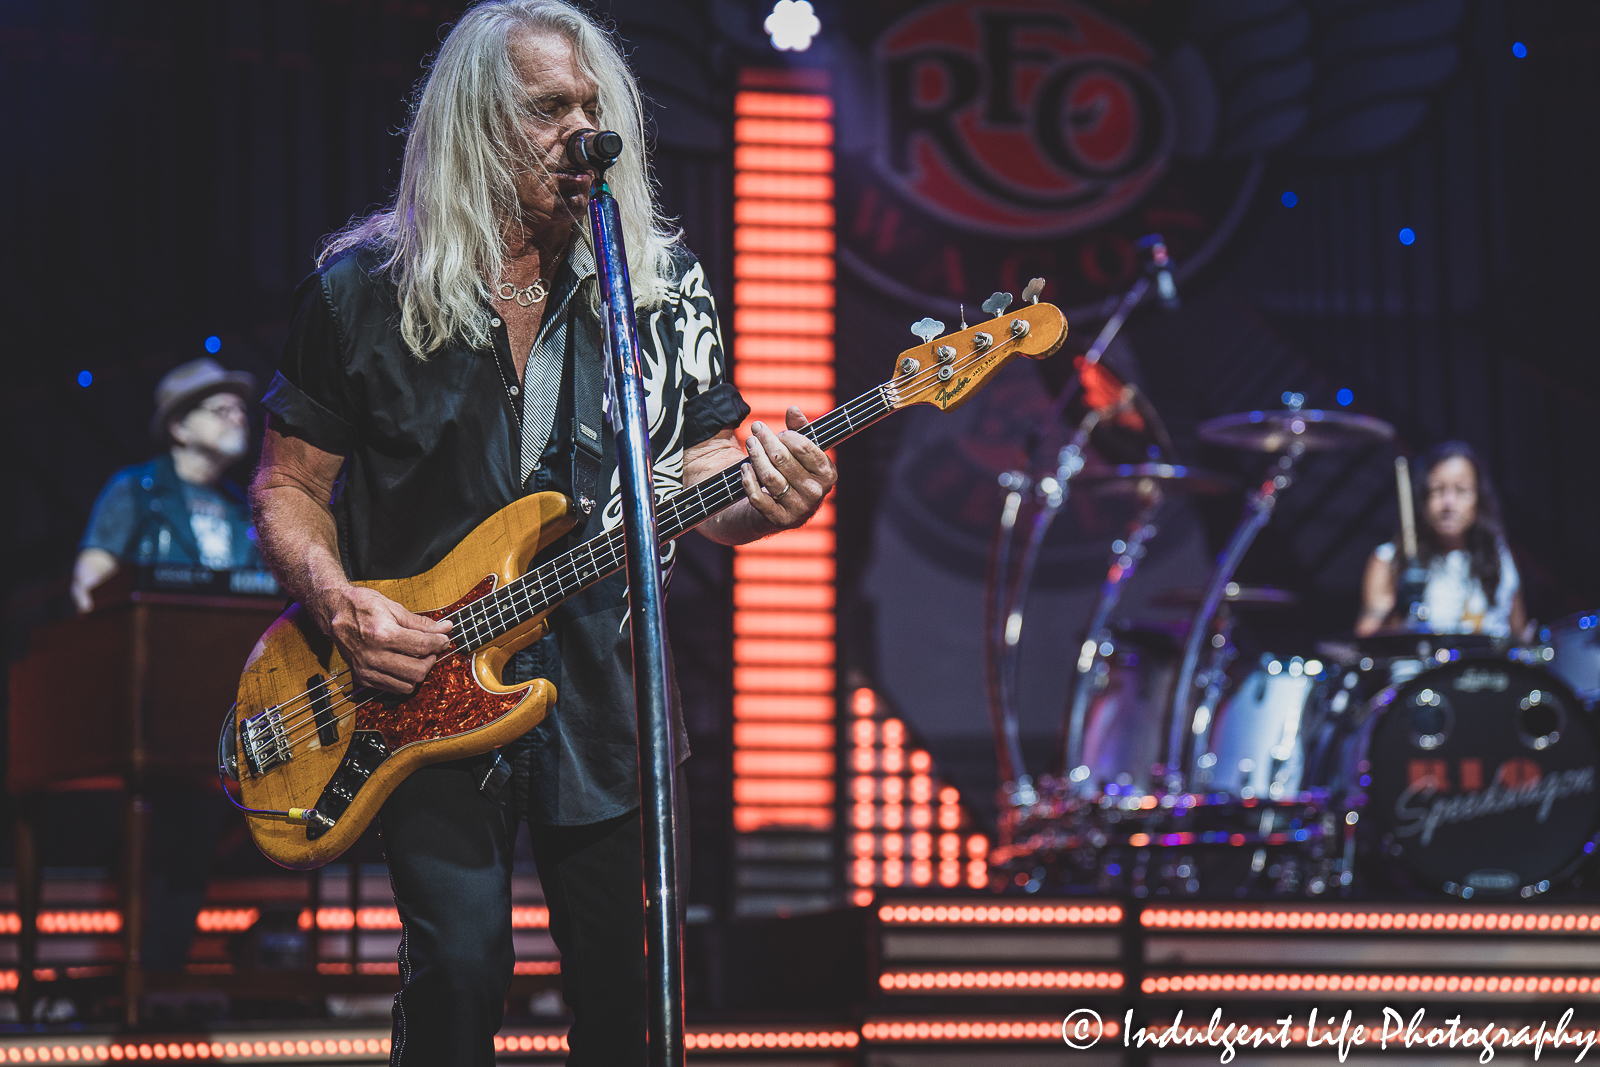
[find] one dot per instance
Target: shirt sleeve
(307, 398)
(711, 402)
(114, 519)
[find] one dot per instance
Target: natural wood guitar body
(316, 758)
(461, 709)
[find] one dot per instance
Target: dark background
(170, 168)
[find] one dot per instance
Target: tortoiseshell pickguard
(448, 702)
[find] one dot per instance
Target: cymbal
(1275, 431)
(1131, 478)
(1243, 596)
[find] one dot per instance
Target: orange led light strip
(783, 591)
(965, 914)
(236, 1050)
(1498, 985)
(522, 918)
(743, 1039)
(235, 920)
(1017, 981)
(1048, 1029)
(67, 922)
(908, 827)
(531, 1043)
(1373, 919)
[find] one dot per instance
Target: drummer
(1473, 586)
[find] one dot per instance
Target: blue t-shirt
(147, 514)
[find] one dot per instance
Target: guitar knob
(1031, 291)
(945, 353)
(981, 341)
(996, 304)
(927, 328)
(909, 366)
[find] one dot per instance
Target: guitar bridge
(264, 742)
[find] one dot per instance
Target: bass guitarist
(443, 362)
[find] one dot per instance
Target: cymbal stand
(1258, 512)
(1006, 585)
(1212, 680)
(1124, 562)
(1006, 592)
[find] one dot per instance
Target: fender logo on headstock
(951, 392)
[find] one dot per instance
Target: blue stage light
(1345, 398)
(1289, 199)
(213, 344)
(85, 379)
(1408, 236)
(1519, 50)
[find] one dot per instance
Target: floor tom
(1256, 742)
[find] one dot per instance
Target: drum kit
(1408, 762)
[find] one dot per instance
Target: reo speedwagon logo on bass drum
(1421, 810)
(1025, 119)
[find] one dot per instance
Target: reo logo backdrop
(986, 142)
(1029, 120)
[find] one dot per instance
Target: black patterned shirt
(432, 448)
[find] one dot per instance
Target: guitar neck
(552, 582)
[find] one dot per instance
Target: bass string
(489, 617)
(706, 499)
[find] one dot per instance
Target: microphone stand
(663, 936)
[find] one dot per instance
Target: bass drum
(1479, 775)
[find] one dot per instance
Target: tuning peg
(927, 328)
(1031, 292)
(997, 303)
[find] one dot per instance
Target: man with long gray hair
(442, 363)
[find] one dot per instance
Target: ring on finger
(779, 496)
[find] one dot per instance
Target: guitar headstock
(947, 370)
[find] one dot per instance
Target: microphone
(1159, 267)
(594, 149)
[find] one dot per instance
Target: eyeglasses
(224, 409)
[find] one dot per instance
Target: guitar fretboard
(552, 582)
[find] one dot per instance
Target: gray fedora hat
(186, 385)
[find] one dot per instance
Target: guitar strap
(588, 461)
(588, 447)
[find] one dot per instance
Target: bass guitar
(314, 754)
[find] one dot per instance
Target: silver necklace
(526, 297)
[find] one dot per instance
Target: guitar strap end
(587, 456)
(495, 777)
